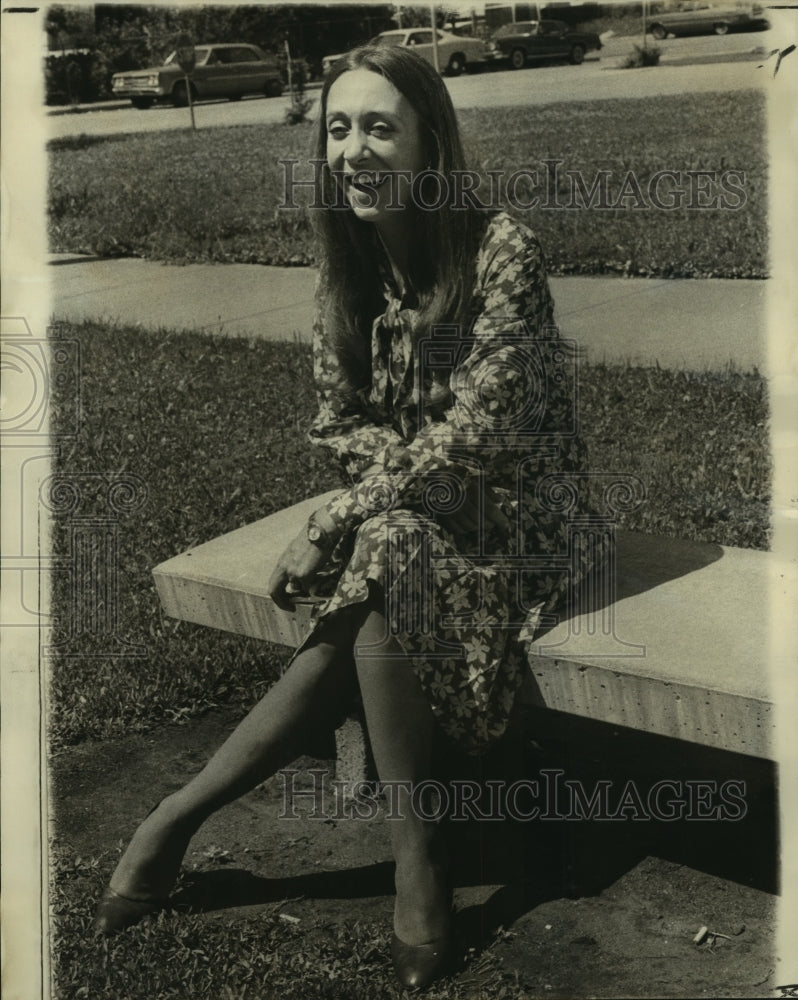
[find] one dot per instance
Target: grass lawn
(215, 430)
(214, 195)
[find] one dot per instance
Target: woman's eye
(381, 129)
(337, 131)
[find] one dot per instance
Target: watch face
(315, 533)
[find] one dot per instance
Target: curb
(78, 109)
(666, 60)
(55, 260)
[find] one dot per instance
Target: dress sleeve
(343, 423)
(500, 380)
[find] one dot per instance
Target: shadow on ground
(575, 906)
(728, 827)
(513, 864)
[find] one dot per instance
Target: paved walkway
(690, 324)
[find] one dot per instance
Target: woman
(441, 391)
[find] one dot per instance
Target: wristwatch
(317, 535)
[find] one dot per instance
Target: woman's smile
(366, 182)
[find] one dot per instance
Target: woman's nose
(356, 147)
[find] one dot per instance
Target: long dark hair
(444, 240)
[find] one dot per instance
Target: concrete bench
(680, 649)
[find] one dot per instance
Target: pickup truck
(523, 41)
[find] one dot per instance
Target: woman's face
(373, 133)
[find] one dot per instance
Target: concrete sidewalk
(684, 324)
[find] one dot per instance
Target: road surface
(595, 79)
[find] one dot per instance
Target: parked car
(704, 19)
(455, 52)
(225, 70)
(522, 41)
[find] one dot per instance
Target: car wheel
(456, 65)
(180, 94)
(720, 28)
(518, 58)
(658, 31)
(142, 103)
(274, 88)
(577, 55)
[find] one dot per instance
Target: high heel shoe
(418, 965)
(116, 912)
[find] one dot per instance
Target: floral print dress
(488, 410)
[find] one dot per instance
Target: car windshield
(201, 52)
(388, 40)
(519, 28)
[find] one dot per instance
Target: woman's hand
(296, 569)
